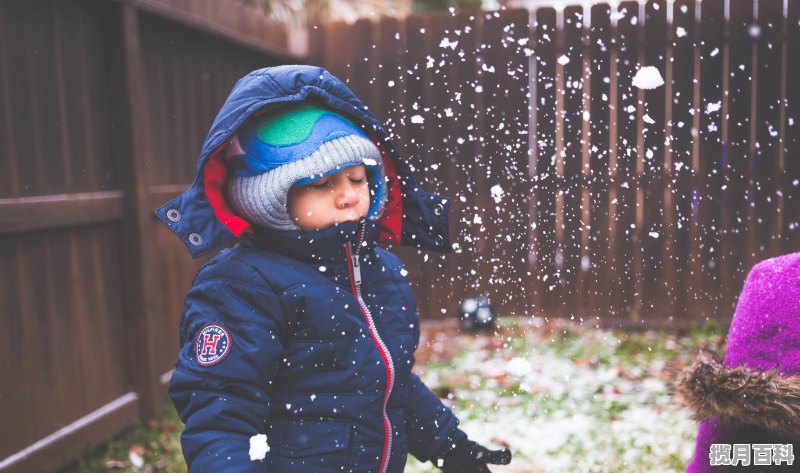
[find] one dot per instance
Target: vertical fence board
(360, 45)
(738, 146)
(390, 76)
(766, 164)
(10, 179)
(479, 171)
(625, 242)
(709, 163)
(40, 78)
(132, 135)
(12, 351)
(515, 80)
(598, 282)
(316, 46)
(337, 49)
(568, 223)
(681, 153)
(544, 181)
(464, 151)
(375, 100)
(60, 106)
(86, 103)
(505, 122)
(436, 166)
(157, 73)
(412, 147)
(791, 172)
(24, 101)
(652, 230)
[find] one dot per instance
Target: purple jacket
(754, 396)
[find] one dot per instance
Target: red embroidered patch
(212, 345)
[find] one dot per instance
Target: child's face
(339, 197)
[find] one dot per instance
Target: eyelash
(327, 183)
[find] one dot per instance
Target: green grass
(158, 444)
(615, 387)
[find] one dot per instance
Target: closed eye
(320, 185)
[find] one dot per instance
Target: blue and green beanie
(294, 146)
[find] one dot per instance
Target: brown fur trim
(740, 396)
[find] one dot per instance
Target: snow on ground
(564, 397)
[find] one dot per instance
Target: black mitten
(469, 457)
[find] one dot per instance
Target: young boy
(305, 330)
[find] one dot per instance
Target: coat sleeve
(221, 388)
(432, 426)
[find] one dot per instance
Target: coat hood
(202, 218)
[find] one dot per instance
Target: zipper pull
(356, 270)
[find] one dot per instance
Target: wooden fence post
(132, 140)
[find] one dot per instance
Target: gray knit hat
(292, 146)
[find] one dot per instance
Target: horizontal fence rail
(576, 192)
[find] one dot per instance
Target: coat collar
(322, 246)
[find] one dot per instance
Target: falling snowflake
(446, 43)
(648, 78)
(713, 107)
(258, 447)
(497, 193)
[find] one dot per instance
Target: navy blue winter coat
(307, 337)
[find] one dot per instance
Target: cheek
(298, 203)
(364, 198)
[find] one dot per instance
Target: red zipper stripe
(386, 361)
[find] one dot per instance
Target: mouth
(349, 217)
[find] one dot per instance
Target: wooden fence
(577, 194)
(103, 108)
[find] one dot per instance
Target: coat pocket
(300, 438)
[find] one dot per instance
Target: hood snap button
(195, 239)
(438, 210)
(174, 215)
(438, 240)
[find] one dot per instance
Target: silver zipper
(381, 345)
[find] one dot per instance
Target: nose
(346, 195)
